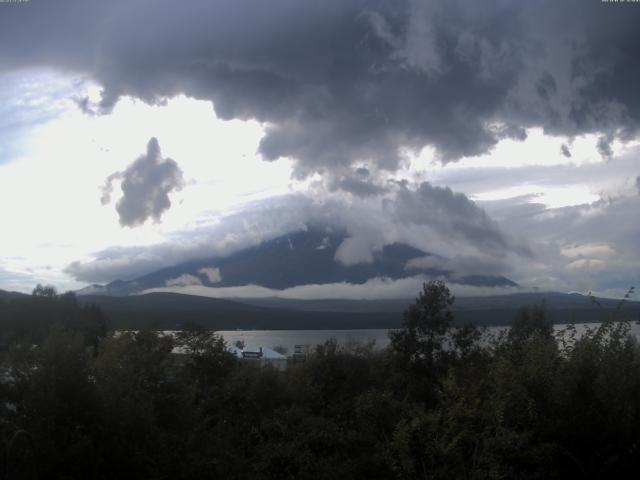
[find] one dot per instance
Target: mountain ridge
(173, 310)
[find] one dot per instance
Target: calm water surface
(289, 338)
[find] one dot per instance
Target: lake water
(289, 338)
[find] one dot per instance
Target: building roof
(257, 352)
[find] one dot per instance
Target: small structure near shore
(300, 352)
(263, 355)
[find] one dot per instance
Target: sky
(501, 136)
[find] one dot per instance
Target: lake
(289, 338)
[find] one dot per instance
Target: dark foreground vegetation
(438, 403)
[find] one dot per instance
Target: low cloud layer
(146, 185)
(374, 289)
(345, 81)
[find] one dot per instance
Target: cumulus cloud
(212, 274)
(184, 280)
(146, 185)
(355, 250)
(340, 81)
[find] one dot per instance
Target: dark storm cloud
(345, 80)
(358, 182)
(356, 186)
(146, 185)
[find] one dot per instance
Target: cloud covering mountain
(432, 219)
(308, 258)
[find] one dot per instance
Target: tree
(141, 403)
(58, 403)
(419, 347)
(530, 322)
(206, 358)
(45, 291)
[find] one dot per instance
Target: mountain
(300, 258)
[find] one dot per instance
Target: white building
(264, 355)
